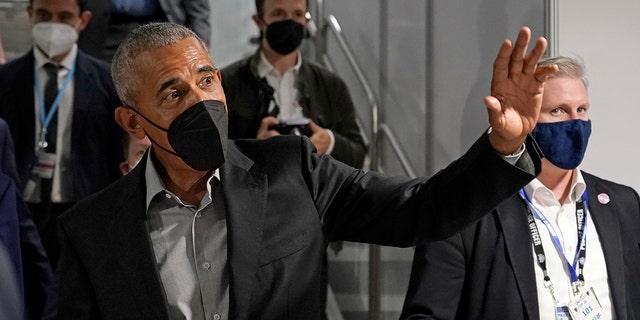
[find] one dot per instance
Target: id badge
(45, 165)
(562, 313)
(586, 306)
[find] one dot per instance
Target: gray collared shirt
(190, 246)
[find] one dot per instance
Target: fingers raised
(534, 56)
(501, 64)
(519, 50)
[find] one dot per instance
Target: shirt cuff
(514, 157)
(332, 142)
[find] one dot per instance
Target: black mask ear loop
(157, 126)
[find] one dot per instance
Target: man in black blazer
(491, 270)
(87, 140)
(20, 237)
(207, 227)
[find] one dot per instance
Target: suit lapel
(245, 196)
(513, 217)
(608, 228)
(129, 227)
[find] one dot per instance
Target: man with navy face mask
(276, 86)
(59, 104)
(546, 252)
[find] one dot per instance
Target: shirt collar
(67, 62)
(265, 67)
(577, 188)
(155, 184)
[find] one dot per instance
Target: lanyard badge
(585, 304)
(46, 117)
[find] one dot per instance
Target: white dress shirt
(563, 219)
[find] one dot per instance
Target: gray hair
(567, 67)
(124, 69)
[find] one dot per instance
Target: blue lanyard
(576, 269)
(45, 119)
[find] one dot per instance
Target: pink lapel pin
(603, 198)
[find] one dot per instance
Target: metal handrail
(333, 25)
(328, 63)
(378, 132)
(404, 161)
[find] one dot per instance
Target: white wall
(466, 39)
(231, 29)
(606, 34)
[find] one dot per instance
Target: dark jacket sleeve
(36, 268)
(31, 258)
(7, 156)
(368, 207)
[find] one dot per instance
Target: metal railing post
(551, 26)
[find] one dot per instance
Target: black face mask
(285, 36)
(198, 135)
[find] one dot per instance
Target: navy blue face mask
(563, 143)
(198, 135)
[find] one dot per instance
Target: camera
(298, 127)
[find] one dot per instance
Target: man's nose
(197, 95)
(573, 114)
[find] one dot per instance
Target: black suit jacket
(96, 138)
(284, 203)
(324, 98)
(19, 235)
(487, 270)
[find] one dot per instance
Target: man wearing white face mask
(59, 105)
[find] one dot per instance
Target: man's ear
(126, 118)
(30, 12)
(257, 20)
(85, 17)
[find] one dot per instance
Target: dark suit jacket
(487, 270)
(193, 14)
(324, 98)
(19, 235)
(9, 225)
(283, 204)
(96, 138)
(7, 155)
(11, 306)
